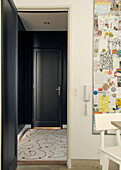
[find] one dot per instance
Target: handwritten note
(103, 103)
(102, 9)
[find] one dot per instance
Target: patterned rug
(40, 144)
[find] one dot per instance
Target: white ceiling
(35, 21)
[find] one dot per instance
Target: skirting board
(41, 162)
(64, 126)
(23, 130)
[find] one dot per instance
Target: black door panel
(47, 78)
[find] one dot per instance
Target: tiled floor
(76, 165)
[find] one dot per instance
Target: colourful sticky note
(106, 72)
(118, 102)
(97, 112)
(103, 103)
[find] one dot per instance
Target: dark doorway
(47, 88)
(41, 41)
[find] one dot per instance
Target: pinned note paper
(106, 72)
(111, 110)
(118, 102)
(103, 103)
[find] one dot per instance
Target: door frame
(34, 82)
(57, 8)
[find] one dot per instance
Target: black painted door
(47, 88)
(9, 85)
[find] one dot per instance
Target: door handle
(59, 90)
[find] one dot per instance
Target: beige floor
(76, 165)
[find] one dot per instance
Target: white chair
(103, 123)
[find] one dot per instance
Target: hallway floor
(43, 145)
(76, 165)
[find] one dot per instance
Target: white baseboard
(23, 130)
(28, 126)
(64, 126)
(69, 163)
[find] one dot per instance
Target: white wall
(84, 144)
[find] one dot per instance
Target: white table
(117, 124)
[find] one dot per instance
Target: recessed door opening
(42, 71)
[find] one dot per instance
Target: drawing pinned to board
(119, 81)
(101, 24)
(96, 45)
(105, 86)
(96, 65)
(118, 53)
(105, 9)
(118, 70)
(100, 78)
(106, 61)
(118, 102)
(102, 7)
(119, 25)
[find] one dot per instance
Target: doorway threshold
(47, 128)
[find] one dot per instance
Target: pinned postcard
(96, 99)
(102, 8)
(103, 103)
(112, 100)
(100, 78)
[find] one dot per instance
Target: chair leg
(105, 166)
